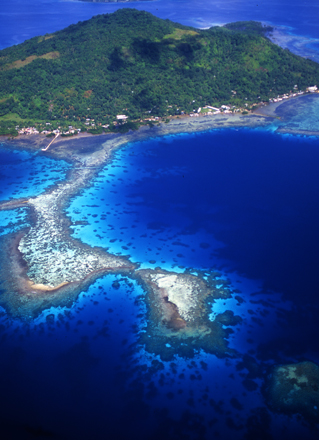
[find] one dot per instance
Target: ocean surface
(242, 203)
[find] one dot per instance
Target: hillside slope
(133, 62)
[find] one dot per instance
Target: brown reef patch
(22, 298)
(178, 315)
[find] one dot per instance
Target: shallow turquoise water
(301, 114)
(11, 221)
(24, 174)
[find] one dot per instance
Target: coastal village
(122, 119)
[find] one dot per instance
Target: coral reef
(294, 389)
(178, 315)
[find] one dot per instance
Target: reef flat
(45, 262)
(52, 257)
(179, 300)
(297, 115)
(178, 321)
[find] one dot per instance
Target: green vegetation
(135, 64)
(7, 128)
(23, 62)
(178, 34)
(249, 27)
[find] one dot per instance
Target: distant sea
(296, 21)
(241, 202)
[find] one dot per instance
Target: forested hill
(133, 63)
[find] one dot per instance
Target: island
(116, 72)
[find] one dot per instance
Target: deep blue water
(243, 198)
(240, 201)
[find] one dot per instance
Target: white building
(213, 108)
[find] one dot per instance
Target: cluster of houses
(208, 110)
(90, 122)
(153, 119)
(120, 119)
(33, 130)
(27, 130)
(313, 89)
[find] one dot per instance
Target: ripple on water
(24, 174)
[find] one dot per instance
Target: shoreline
(261, 116)
(51, 261)
(183, 124)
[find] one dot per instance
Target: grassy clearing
(21, 63)
(45, 37)
(13, 117)
(178, 34)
